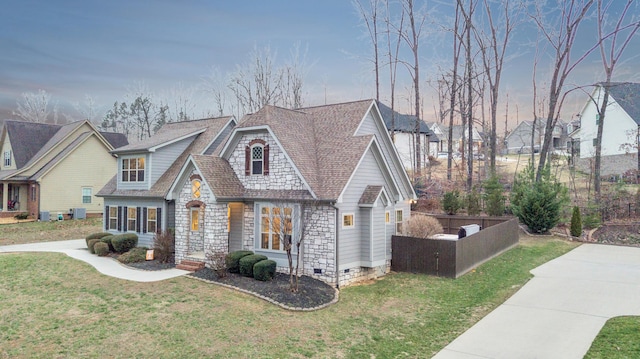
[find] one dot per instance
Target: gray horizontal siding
(134, 185)
(144, 239)
(218, 141)
(378, 233)
(164, 157)
(366, 234)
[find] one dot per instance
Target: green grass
(55, 306)
(618, 339)
(30, 232)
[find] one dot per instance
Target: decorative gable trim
(237, 135)
(195, 176)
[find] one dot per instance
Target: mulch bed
(312, 293)
(151, 265)
(621, 234)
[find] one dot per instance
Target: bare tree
(215, 83)
(493, 46)
(87, 109)
(412, 37)
(35, 107)
(369, 16)
(291, 223)
(610, 52)
(393, 49)
(293, 78)
(560, 34)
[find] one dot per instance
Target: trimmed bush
(164, 246)
(264, 270)
(233, 260)
(97, 236)
(247, 263)
(137, 254)
(124, 242)
(101, 249)
(422, 226)
(91, 243)
(576, 222)
(107, 240)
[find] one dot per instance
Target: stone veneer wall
(320, 245)
(281, 176)
(361, 273)
(213, 217)
(610, 165)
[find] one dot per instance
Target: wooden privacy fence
(452, 258)
(451, 224)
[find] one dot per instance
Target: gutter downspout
(336, 257)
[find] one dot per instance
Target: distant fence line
(453, 258)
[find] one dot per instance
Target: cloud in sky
(72, 48)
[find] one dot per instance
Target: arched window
(195, 188)
(256, 158)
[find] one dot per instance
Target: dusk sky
(99, 48)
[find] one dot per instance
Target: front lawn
(617, 339)
(55, 306)
(30, 232)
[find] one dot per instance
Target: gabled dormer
(8, 161)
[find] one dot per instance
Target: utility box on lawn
(468, 230)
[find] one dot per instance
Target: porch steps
(191, 266)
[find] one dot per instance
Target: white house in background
(458, 134)
(519, 139)
(437, 134)
(620, 129)
(405, 137)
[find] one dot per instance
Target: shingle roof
(60, 155)
(370, 195)
(220, 176)
(320, 141)
(402, 122)
(27, 138)
(115, 139)
(627, 95)
(62, 132)
(210, 127)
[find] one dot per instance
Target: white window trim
(135, 220)
(258, 242)
(396, 222)
(115, 228)
(90, 195)
(193, 193)
(155, 221)
(7, 158)
(144, 170)
(353, 220)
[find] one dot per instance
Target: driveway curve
(559, 312)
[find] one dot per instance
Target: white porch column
(5, 196)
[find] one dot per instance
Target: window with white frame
(257, 159)
(86, 195)
(133, 169)
(152, 220)
(113, 218)
(7, 158)
(348, 220)
(195, 218)
(132, 217)
(276, 227)
(399, 221)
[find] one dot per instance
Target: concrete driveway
(560, 311)
(77, 248)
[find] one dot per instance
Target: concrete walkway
(77, 249)
(560, 311)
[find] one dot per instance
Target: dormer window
(7, 158)
(256, 158)
(133, 169)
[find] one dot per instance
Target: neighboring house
(404, 136)
(620, 129)
(334, 165)
(135, 199)
(458, 134)
(519, 139)
(437, 135)
(54, 168)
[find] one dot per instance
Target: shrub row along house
(52, 168)
(329, 174)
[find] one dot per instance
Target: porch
(15, 198)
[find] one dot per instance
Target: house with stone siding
(49, 169)
(135, 199)
(620, 130)
(329, 174)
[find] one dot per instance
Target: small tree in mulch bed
(576, 222)
(164, 246)
(218, 262)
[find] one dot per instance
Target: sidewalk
(77, 249)
(559, 312)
